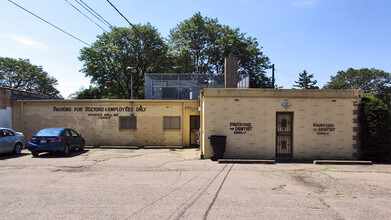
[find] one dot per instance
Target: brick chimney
(231, 71)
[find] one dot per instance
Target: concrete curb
(119, 147)
(247, 161)
(89, 147)
(134, 147)
(163, 147)
(342, 162)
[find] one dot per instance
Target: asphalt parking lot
(176, 184)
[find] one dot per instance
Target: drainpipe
(183, 122)
(201, 125)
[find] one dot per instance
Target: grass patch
(314, 207)
(136, 155)
(100, 160)
(279, 187)
(326, 174)
(324, 202)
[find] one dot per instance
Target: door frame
(190, 131)
(289, 155)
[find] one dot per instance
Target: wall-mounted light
(286, 104)
(194, 109)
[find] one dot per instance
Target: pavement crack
(217, 193)
(167, 194)
(197, 195)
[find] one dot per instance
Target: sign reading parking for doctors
(99, 112)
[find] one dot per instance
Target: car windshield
(50, 132)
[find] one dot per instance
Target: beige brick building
(258, 123)
(108, 122)
(270, 123)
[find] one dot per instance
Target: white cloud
(24, 40)
(305, 3)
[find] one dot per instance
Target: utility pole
(129, 70)
(273, 76)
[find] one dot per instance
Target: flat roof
(285, 93)
(104, 101)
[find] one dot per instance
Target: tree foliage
(305, 81)
(22, 75)
(141, 48)
(200, 45)
(375, 132)
(196, 45)
(89, 93)
(372, 80)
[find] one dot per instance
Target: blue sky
(320, 36)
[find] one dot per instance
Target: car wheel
(18, 149)
(66, 150)
(35, 154)
(81, 148)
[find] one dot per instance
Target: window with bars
(127, 122)
(171, 122)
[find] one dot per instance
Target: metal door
(194, 130)
(284, 133)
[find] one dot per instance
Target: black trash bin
(218, 146)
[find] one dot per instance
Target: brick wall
(231, 72)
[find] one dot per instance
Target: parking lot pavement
(176, 184)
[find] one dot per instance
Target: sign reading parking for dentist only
(323, 128)
(240, 128)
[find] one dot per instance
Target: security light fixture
(286, 104)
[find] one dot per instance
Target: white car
(11, 141)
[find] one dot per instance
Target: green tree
(375, 132)
(141, 48)
(200, 45)
(373, 81)
(21, 74)
(305, 81)
(89, 93)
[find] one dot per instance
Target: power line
(95, 14)
(289, 74)
(286, 73)
(85, 15)
(126, 19)
(49, 23)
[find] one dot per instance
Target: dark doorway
(194, 130)
(284, 134)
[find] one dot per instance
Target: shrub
(375, 135)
